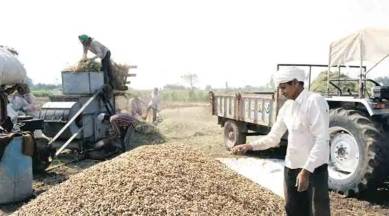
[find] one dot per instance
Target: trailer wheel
(356, 152)
(234, 134)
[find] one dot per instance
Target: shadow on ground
(379, 196)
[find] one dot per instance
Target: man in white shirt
(306, 118)
(101, 52)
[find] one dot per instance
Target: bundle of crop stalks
(85, 65)
(120, 72)
(166, 179)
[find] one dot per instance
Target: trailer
(245, 114)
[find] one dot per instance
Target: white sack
(11, 69)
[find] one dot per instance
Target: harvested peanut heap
(156, 180)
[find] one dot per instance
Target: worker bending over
(122, 123)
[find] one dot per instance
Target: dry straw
(119, 71)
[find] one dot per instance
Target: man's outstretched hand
(241, 149)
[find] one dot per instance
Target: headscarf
(287, 74)
(83, 37)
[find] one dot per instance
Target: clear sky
(234, 41)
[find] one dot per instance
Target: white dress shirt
(307, 121)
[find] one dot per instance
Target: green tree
(320, 83)
(174, 87)
(191, 79)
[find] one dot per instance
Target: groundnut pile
(156, 180)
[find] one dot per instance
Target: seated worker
(23, 102)
(121, 123)
(136, 107)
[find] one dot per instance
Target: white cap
(101, 116)
(287, 74)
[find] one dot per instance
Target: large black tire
(234, 134)
(357, 152)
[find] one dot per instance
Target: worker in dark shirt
(122, 124)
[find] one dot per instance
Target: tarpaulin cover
(369, 45)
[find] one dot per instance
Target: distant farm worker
(122, 123)
(101, 52)
(136, 107)
(23, 101)
(305, 116)
(153, 105)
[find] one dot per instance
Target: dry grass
(119, 71)
(85, 65)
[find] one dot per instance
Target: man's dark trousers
(300, 203)
(106, 67)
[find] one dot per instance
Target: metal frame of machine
(70, 119)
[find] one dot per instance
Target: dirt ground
(193, 125)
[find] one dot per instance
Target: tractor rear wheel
(356, 152)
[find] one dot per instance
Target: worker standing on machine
(101, 52)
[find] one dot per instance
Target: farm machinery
(67, 121)
(71, 119)
(359, 115)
